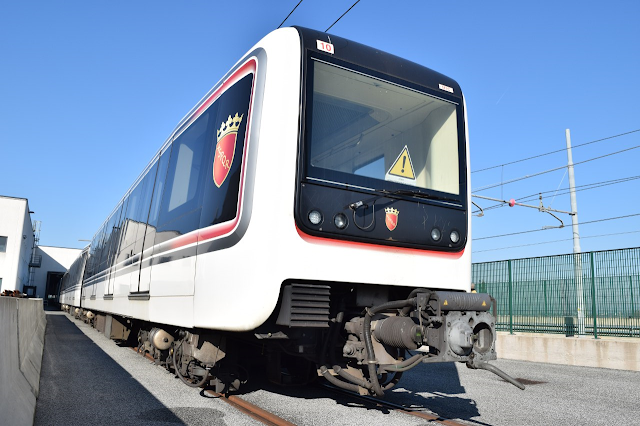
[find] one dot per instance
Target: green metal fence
(594, 293)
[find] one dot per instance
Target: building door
(53, 288)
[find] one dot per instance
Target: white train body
(71, 285)
(223, 264)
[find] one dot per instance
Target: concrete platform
(617, 353)
(83, 385)
(22, 329)
(86, 382)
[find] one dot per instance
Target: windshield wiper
(386, 193)
(417, 194)
(406, 192)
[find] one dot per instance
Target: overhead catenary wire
(546, 229)
(564, 191)
(554, 169)
(341, 16)
(558, 241)
(555, 152)
(293, 10)
(585, 187)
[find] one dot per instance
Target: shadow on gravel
(434, 388)
(437, 388)
(80, 384)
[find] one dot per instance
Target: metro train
(311, 214)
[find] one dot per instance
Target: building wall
(15, 224)
(54, 259)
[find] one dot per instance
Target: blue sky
(90, 90)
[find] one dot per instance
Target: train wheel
(188, 369)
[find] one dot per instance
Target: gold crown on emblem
(391, 210)
(230, 126)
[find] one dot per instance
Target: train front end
(382, 199)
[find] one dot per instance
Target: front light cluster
(339, 220)
(436, 235)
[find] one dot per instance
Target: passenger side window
(220, 203)
(185, 177)
(154, 211)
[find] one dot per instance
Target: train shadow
(80, 383)
(436, 388)
(432, 388)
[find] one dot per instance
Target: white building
(36, 273)
(54, 262)
(16, 243)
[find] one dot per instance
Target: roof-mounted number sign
(445, 88)
(325, 47)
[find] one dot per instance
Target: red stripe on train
(371, 246)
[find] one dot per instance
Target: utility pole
(577, 256)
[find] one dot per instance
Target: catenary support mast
(577, 257)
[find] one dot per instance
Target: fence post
(510, 300)
(546, 310)
(633, 304)
(594, 309)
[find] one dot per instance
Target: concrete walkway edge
(615, 353)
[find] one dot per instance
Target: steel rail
(251, 410)
(240, 404)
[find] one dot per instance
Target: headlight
(340, 221)
(315, 217)
(435, 234)
(455, 237)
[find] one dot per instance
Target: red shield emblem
(225, 149)
(391, 218)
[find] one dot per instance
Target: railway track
(251, 410)
(240, 404)
(271, 419)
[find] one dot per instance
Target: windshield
(366, 127)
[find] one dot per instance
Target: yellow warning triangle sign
(403, 167)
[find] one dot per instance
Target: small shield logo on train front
(225, 148)
(391, 218)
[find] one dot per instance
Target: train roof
(378, 60)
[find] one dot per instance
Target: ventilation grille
(305, 305)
